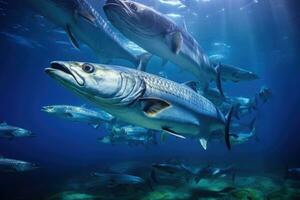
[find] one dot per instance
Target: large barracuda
(83, 23)
(144, 99)
(162, 37)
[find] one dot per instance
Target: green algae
(247, 194)
(167, 193)
(72, 195)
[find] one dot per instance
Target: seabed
(243, 188)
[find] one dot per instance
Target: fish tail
(219, 79)
(227, 127)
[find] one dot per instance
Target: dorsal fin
(191, 84)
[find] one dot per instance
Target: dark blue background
(265, 39)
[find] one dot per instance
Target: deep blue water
(263, 37)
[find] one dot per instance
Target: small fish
(12, 165)
(79, 114)
(130, 135)
(235, 74)
(114, 180)
(213, 172)
(179, 170)
(12, 132)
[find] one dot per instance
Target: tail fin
(227, 128)
(143, 60)
(218, 80)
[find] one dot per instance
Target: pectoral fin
(175, 40)
(192, 85)
(169, 131)
(88, 16)
(153, 106)
(203, 143)
(71, 37)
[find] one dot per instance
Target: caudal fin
(227, 127)
(143, 60)
(219, 80)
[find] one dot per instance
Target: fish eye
(133, 6)
(88, 68)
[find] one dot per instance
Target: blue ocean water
(261, 36)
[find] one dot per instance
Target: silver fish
(143, 99)
(79, 114)
(160, 36)
(11, 132)
(83, 23)
(13, 165)
(114, 179)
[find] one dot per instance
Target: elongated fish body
(142, 99)
(213, 172)
(130, 135)
(130, 131)
(236, 74)
(129, 140)
(114, 180)
(160, 36)
(11, 132)
(8, 165)
(79, 114)
(179, 170)
(81, 21)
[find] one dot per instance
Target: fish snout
(62, 71)
(47, 109)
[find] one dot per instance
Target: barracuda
(160, 36)
(83, 23)
(144, 99)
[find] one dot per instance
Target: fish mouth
(45, 109)
(60, 71)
